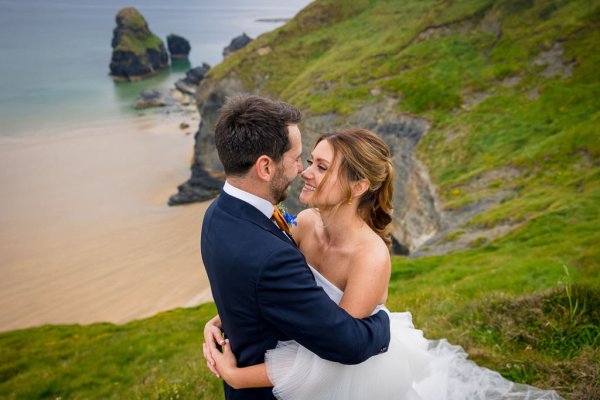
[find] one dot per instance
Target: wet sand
(85, 231)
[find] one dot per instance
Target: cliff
(477, 99)
(137, 52)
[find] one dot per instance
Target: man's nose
(299, 166)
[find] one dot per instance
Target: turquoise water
(55, 54)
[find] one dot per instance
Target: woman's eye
(321, 167)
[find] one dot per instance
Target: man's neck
(249, 186)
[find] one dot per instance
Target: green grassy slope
(508, 86)
(160, 357)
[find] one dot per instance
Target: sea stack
(236, 44)
(179, 47)
(137, 52)
(192, 79)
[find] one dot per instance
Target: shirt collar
(262, 205)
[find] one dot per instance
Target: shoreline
(86, 234)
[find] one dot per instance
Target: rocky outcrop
(137, 52)
(192, 79)
(236, 44)
(201, 186)
(179, 47)
(153, 98)
(207, 172)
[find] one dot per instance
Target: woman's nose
(304, 173)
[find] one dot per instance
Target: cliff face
(207, 172)
(473, 97)
(137, 52)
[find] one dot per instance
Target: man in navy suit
(261, 284)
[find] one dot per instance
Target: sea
(55, 55)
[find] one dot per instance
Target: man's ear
(360, 187)
(264, 168)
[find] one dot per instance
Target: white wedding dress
(413, 368)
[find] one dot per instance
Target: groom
(260, 281)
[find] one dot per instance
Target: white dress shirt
(262, 205)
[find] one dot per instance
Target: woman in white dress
(345, 239)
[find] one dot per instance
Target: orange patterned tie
(279, 220)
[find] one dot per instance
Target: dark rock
(236, 44)
(207, 172)
(201, 186)
(137, 52)
(398, 248)
(153, 98)
(195, 75)
(192, 79)
(185, 87)
(178, 47)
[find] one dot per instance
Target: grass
(137, 38)
(140, 46)
(159, 358)
(507, 301)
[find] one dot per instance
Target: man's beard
(279, 186)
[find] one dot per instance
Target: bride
(345, 239)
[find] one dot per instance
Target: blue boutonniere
(289, 218)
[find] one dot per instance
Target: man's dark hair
(251, 126)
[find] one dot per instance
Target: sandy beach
(85, 231)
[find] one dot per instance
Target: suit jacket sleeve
(289, 299)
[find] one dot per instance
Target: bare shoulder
(373, 257)
(306, 221)
(309, 215)
(368, 278)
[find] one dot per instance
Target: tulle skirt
(413, 368)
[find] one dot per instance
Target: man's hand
(212, 336)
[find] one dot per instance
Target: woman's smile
(308, 188)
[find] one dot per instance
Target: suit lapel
(243, 210)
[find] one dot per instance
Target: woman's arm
(238, 378)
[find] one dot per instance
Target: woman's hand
(225, 364)
(212, 336)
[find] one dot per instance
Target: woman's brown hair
(364, 155)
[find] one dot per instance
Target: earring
(350, 201)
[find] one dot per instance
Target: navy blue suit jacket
(265, 293)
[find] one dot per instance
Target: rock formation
(137, 52)
(236, 44)
(153, 98)
(192, 79)
(179, 48)
(207, 172)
